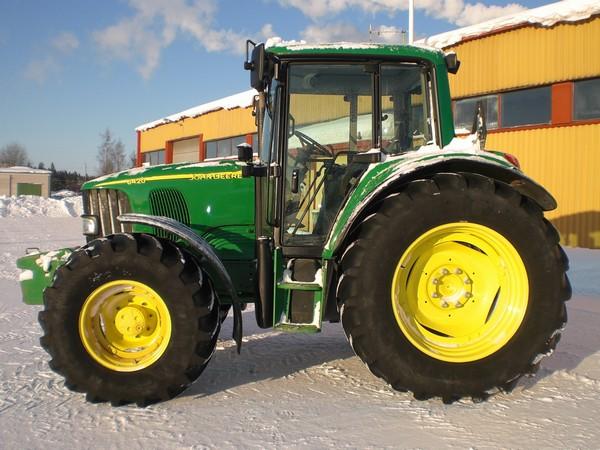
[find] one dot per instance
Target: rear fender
(207, 255)
(356, 206)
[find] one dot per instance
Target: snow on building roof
(241, 100)
(545, 16)
(22, 169)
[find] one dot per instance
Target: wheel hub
(449, 286)
(130, 321)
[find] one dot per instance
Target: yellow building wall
(215, 125)
(566, 161)
(527, 56)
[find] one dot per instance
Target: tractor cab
(322, 120)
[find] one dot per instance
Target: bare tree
(13, 154)
(111, 154)
(119, 155)
(132, 159)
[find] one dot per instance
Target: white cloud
(155, 24)
(454, 11)
(335, 32)
(39, 70)
(343, 31)
(65, 42)
(48, 65)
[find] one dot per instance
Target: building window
(586, 99)
(526, 107)
(464, 111)
(155, 157)
(223, 148)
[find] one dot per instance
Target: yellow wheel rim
(125, 325)
(460, 292)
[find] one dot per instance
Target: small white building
(24, 181)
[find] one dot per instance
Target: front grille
(107, 205)
(169, 203)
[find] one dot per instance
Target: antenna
(387, 31)
(411, 21)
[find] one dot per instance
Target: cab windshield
(330, 120)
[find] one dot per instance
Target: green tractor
(359, 205)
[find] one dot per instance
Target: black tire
(182, 285)
(376, 246)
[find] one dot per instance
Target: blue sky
(72, 68)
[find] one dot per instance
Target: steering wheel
(311, 146)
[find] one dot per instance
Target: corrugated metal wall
(215, 125)
(565, 160)
(527, 57)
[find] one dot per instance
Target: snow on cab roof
(241, 100)
(22, 169)
(545, 16)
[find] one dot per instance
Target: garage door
(29, 189)
(186, 150)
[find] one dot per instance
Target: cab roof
(357, 49)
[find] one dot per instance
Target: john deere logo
(186, 176)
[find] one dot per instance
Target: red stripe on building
(138, 158)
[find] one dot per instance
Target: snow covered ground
(290, 390)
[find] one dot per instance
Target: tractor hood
(212, 198)
(206, 171)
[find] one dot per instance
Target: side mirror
(452, 62)
(245, 155)
(244, 152)
(256, 64)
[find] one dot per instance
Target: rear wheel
(465, 288)
(130, 318)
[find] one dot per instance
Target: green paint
(39, 269)
(220, 205)
(29, 189)
(384, 172)
(280, 296)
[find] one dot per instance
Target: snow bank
(545, 16)
(60, 204)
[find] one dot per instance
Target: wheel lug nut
(468, 295)
(435, 295)
(458, 271)
(445, 304)
(458, 305)
(445, 271)
(436, 281)
(468, 281)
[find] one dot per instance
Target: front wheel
(461, 291)
(130, 318)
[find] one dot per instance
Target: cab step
(299, 292)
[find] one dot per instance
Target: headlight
(90, 225)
